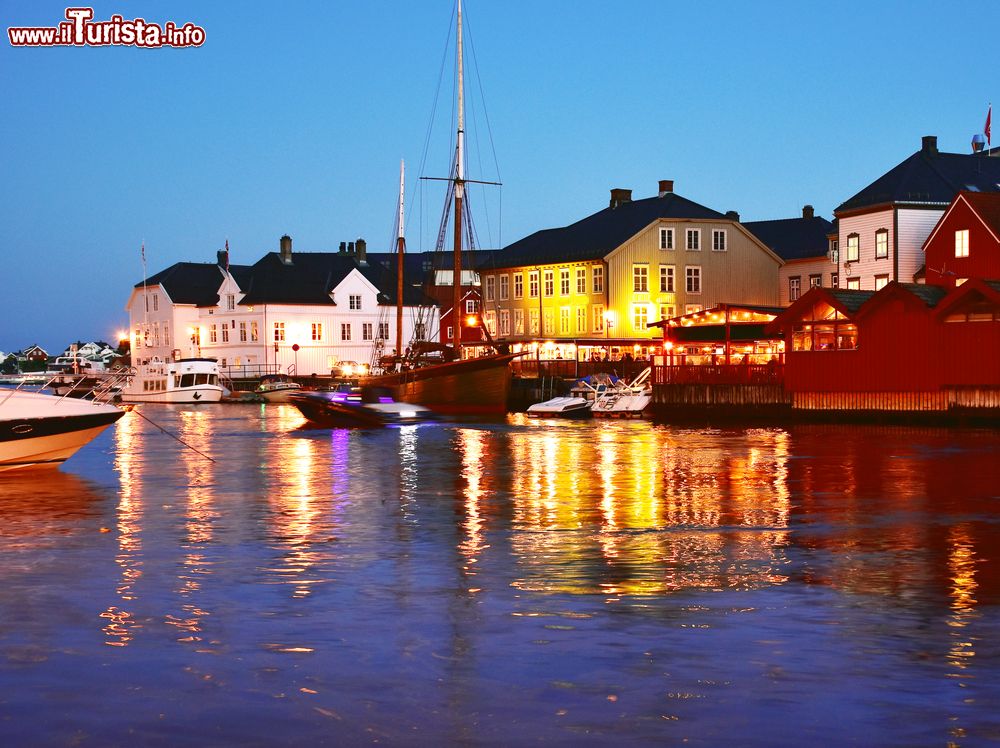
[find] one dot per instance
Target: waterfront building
(806, 244)
(965, 243)
(594, 286)
(299, 313)
(882, 228)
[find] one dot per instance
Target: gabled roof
(912, 293)
(846, 301)
(988, 289)
(595, 236)
(793, 238)
(311, 277)
(190, 282)
(929, 177)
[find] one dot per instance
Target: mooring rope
(193, 449)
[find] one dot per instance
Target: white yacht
(186, 380)
(40, 430)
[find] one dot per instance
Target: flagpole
(145, 297)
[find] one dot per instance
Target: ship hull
(473, 386)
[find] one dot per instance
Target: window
(317, 330)
(366, 330)
(794, 287)
(598, 278)
(345, 330)
(532, 321)
(581, 280)
(694, 240)
(490, 320)
(156, 302)
(834, 251)
(354, 302)
(166, 335)
(504, 287)
(279, 332)
(854, 284)
(518, 285)
(834, 280)
(692, 308)
(598, 317)
(225, 333)
(533, 284)
(383, 330)
(815, 281)
(471, 306)
(490, 288)
(243, 332)
(230, 301)
(564, 282)
(564, 319)
(881, 244)
(549, 322)
(504, 322)
(666, 238)
(253, 331)
(693, 279)
(667, 279)
(640, 317)
(853, 248)
(640, 278)
(450, 332)
(519, 322)
(962, 243)
(824, 329)
(213, 334)
(667, 311)
(549, 282)
(718, 240)
(581, 319)
(881, 281)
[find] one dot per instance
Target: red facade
(978, 213)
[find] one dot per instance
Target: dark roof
(793, 238)
(987, 207)
(850, 298)
(929, 176)
(191, 282)
(311, 277)
(595, 236)
(741, 332)
(930, 295)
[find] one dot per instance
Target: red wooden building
(965, 243)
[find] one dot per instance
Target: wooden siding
(867, 267)
(880, 401)
(713, 395)
(914, 228)
(984, 250)
(743, 274)
(804, 268)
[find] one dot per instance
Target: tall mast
(456, 317)
(400, 250)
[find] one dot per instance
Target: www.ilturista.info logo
(79, 30)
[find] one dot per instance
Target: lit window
(640, 278)
(564, 320)
(564, 282)
(581, 319)
(853, 248)
(854, 284)
(881, 244)
(581, 280)
(549, 283)
(693, 274)
(666, 279)
(598, 317)
(640, 317)
(881, 281)
(317, 330)
(279, 332)
(549, 321)
(532, 321)
(962, 243)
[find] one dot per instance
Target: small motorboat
(186, 380)
(276, 388)
(40, 430)
(357, 407)
(562, 407)
(627, 400)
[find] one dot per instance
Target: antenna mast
(456, 318)
(400, 250)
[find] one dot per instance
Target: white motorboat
(186, 380)
(623, 399)
(562, 407)
(277, 388)
(40, 430)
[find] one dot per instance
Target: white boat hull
(281, 395)
(202, 393)
(561, 407)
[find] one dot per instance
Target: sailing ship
(443, 380)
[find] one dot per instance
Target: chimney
(807, 211)
(620, 197)
(362, 246)
(732, 215)
(666, 187)
(928, 144)
(350, 248)
(286, 249)
(343, 248)
(222, 258)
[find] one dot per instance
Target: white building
(301, 313)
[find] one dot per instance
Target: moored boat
(625, 399)
(186, 380)
(562, 407)
(357, 407)
(276, 388)
(39, 430)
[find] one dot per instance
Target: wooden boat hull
(473, 386)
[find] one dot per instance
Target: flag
(142, 251)
(986, 130)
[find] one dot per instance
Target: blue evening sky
(293, 117)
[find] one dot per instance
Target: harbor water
(505, 582)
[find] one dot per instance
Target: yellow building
(595, 285)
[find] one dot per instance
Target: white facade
(905, 230)
(158, 326)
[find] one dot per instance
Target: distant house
(965, 243)
(35, 354)
(305, 311)
(805, 244)
(882, 228)
(600, 281)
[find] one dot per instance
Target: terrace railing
(719, 374)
